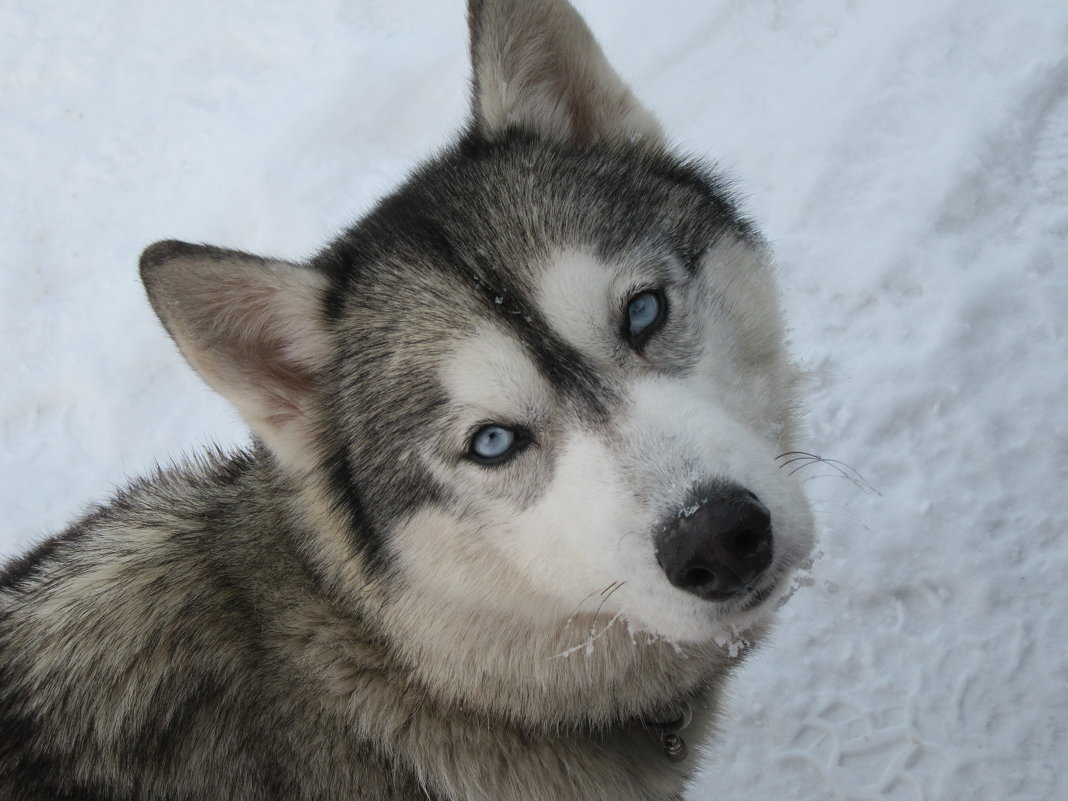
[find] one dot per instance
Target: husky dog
(511, 502)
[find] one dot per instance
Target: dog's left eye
(645, 315)
(494, 444)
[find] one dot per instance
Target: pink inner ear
(282, 379)
(257, 326)
(249, 328)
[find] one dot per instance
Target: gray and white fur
(511, 503)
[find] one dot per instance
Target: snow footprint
(1050, 168)
(864, 755)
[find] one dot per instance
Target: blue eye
(494, 444)
(645, 314)
(642, 311)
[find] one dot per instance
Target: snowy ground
(909, 160)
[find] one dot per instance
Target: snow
(909, 160)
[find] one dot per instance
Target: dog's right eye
(494, 444)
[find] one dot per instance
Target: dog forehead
(491, 372)
(582, 293)
(574, 293)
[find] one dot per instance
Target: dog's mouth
(756, 596)
(759, 595)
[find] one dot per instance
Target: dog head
(546, 374)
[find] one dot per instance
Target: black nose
(721, 547)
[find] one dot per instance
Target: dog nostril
(748, 542)
(699, 577)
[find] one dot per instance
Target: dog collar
(667, 732)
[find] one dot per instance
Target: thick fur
(356, 608)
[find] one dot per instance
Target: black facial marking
(567, 370)
(346, 494)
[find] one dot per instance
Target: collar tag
(671, 742)
(674, 746)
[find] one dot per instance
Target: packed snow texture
(909, 162)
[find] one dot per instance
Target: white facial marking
(567, 539)
(575, 295)
(491, 377)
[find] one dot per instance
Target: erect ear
(537, 66)
(252, 328)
